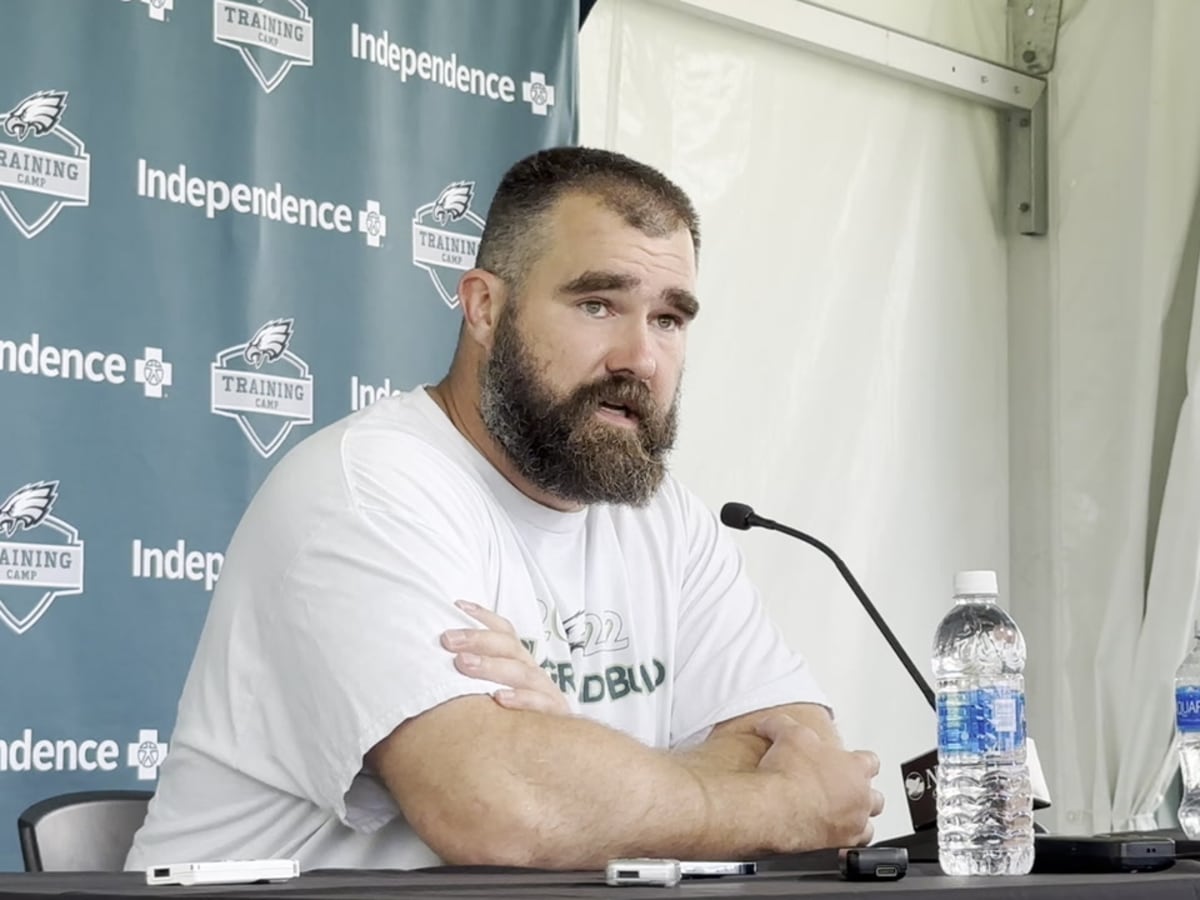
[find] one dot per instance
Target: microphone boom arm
(897, 648)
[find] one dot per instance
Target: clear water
(984, 797)
(1189, 760)
(1187, 725)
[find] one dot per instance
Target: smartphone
(1101, 853)
(716, 868)
(873, 863)
(1185, 847)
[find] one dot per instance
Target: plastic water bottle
(1187, 723)
(984, 797)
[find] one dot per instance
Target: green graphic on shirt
(615, 683)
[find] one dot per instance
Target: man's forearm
(558, 792)
(725, 752)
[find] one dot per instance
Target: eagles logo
(33, 573)
(453, 202)
(445, 237)
(264, 386)
(43, 166)
(37, 114)
(27, 506)
(269, 342)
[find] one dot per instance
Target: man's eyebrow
(599, 281)
(684, 302)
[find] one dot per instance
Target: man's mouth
(617, 409)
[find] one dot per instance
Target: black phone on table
(1101, 853)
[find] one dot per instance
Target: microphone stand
(888, 636)
(919, 780)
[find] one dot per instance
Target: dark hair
(515, 233)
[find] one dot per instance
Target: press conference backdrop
(223, 225)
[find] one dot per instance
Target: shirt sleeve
(350, 643)
(730, 658)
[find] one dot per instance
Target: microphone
(919, 773)
(743, 517)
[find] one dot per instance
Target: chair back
(88, 831)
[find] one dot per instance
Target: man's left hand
(495, 653)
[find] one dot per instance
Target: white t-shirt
(323, 635)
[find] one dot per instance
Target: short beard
(560, 446)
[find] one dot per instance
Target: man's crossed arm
(512, 780)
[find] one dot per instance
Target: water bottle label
(984, 720)
(1187, 708)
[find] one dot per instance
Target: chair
(88, 831)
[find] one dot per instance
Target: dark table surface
(813, 875)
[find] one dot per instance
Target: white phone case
(224, 871)
(664, 872)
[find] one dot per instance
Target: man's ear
(482, 295)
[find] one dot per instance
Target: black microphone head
(737, 515)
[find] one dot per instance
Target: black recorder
(873, 863)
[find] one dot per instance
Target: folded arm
(482, 784)
(496, 654)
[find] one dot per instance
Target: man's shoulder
(409, 424)
(391, 455)
(395, 437)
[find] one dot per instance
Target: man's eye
(592, 307)
(670, 323)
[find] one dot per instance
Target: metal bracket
(1032, 43)
(1033, 34)
(1029, 169)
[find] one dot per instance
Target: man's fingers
(532, 701)
(774, 727)
(876, 802)
(484, 642)
(868, 835)
(870, 761)
(490, 619)
(509, 672)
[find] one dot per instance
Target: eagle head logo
(269, 342)
(454, 200)
(27, 506)
(37, 114)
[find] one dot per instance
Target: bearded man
(480, 623)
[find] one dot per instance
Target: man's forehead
(586, 211)
(585, 235)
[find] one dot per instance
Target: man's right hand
(495, 653)
(815, 773)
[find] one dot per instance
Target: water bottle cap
(977, 581)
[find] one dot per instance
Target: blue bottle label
(1187, 708)
(984, 720)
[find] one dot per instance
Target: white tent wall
(847, 373)
(1100, 316)
(883, 362)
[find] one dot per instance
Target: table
(810, 875)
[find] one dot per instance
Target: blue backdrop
(222, 225)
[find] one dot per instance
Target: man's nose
(633, 354)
